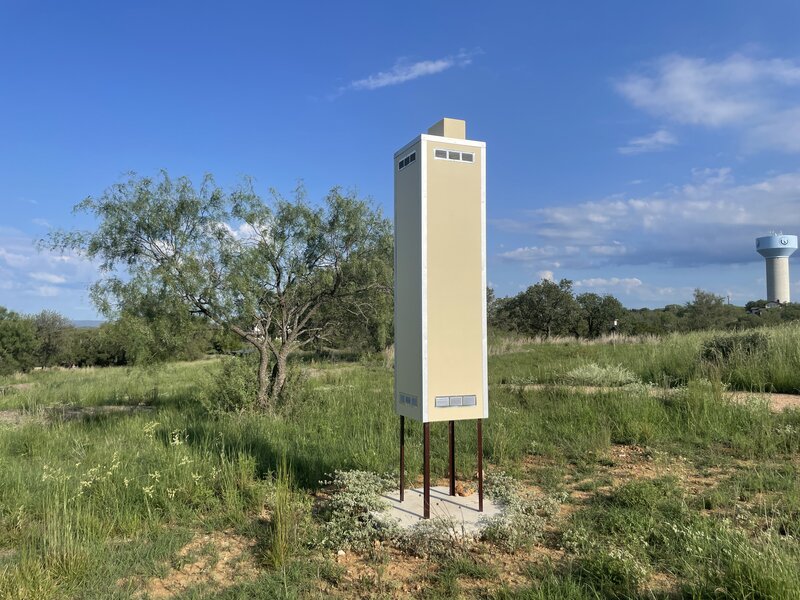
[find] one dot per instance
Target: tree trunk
(278, 376)
(264, 401)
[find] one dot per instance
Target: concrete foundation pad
(461, 510)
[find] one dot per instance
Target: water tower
(777, 248)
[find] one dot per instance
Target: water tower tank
(776, 249)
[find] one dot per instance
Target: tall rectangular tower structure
(440, 276)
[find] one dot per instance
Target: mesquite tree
(265, 271)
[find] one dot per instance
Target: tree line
(550, 308)
(49, 339)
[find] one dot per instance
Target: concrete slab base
(461, 510)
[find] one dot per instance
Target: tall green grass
(86, 503)
(673, 360)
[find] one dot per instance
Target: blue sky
(634, 147)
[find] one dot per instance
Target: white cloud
(404, 71)
(754, 95)
(613, 249)
(543, 256)
(627, 283)
(780, 130)
(711, 219)
(528, 253)
(13, 259)
(46, 291)
(42, 223)
(33, 279)
(48, 277)
(656, 141)
(636, 290)
(546, 275)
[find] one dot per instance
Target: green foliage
(353, 514)
(51, 331)
(278, 274)
(597, 314)
(548, 309)
(706, 311)
(545, 308)
(236, 386)
(104, 346)
(18, 344)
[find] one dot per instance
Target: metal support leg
(452, 457)
(426, 470)
(402, 458)
(480, 465)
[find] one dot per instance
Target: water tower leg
(452, 457)
(426, 470)
(402, 458)
(480, 465)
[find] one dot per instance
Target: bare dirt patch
(18, 417)
(385, 572)
(777, 402)
(389, 573)
(316, 373)
(72, 413)
(15, 418)
(215, 560)
(15, 387)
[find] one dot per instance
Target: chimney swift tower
(777, 248)
(440, 287)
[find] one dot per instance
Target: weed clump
(290, 520)
(354, 514)
(723, 348)
(438, 538)
(601, 376)
(523, 520)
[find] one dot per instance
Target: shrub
(501, 486)
(725, 347)
(354, 514)
(522, 520)
(437, 538)
(236, 387)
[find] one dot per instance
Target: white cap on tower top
(452, 128)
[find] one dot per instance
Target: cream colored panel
(455, 291)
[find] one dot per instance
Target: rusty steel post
(452, 457)
(402, 457)
(426, 470)
(480, 465)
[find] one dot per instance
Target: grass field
(667, 488)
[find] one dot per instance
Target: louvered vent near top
(407, 160)
(454, 155)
